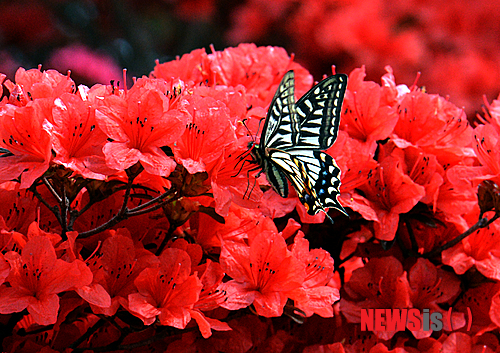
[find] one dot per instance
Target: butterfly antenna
(249, 133)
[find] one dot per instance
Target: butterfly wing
(293, 137)
(276, 177)
(314, 175)
(319, 111)
(281, 129)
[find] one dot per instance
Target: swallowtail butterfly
(293, 138)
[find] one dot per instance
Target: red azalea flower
(192, 68)
(430, 286)
(211, 275)
(424, 169)
(481, 248)
(208, 132)
(381, 283)
(391, 192)
(139, 124)
(168, 291)
(36, 278)
(431, 122)
(368, 116)
(211, 297)
(34, 84)
(315, 296)
(235, 100)
(259, 69)
(115, 267)
(229, 175)
(77, 139)
(263, 273)
(22, 132)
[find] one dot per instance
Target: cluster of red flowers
(128, 211)
(452, 43)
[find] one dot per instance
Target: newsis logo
(400, 319)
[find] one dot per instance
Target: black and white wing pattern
(319, 113)
(282, 127)
(293, 138)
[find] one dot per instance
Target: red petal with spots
(483, 302)
(140, 123)
(36, 278)
(265, 270)
(23, 134)
(391, 192)
(78, 140)
(367, 116)
(208, 132)
(232, 182)
(314, 296)
(115, 267)
(430, 121)
(18, 209)
(168, 291)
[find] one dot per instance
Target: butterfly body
(293, 138)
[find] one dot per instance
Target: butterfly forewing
(318, 112)
(282, 127)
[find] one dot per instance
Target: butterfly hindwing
(277, 178)
(314, 175)
(318, 112)
(327, 182)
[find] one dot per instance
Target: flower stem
(481, 223)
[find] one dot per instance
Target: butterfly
(292, 140)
